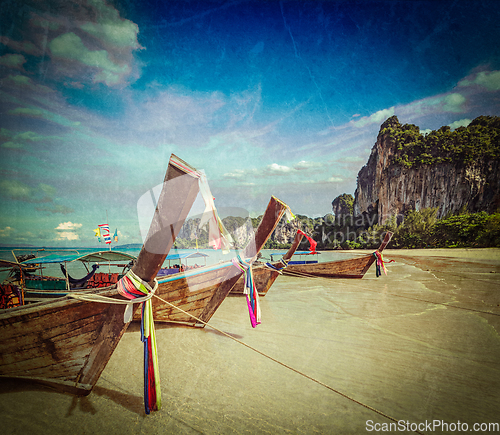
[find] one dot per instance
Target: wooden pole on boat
(109, 245)
(270, 220)
(178, 188)
(293, 248)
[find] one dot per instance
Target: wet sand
(420, 344)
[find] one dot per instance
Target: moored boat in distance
(264, 274)
(351, 268)
(112, 266)
(67, 342)
(199, 292)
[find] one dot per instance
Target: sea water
(78, 270)
(419, 345)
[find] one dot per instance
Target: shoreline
(489, 254)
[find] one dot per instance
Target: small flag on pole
(98, 234)
(115, 237)
(105, 233)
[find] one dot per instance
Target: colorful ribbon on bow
(132, 287)
(380, 263)
(249, 290)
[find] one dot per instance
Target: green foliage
(256, 221)
(346, 201)
(480, 139)
(351, 244)
(489, 234)
(306, 223)
(416, 229)
(273, 244)
(421, 229)
(468, 229)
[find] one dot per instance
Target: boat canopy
(183, 255)
(96, 257)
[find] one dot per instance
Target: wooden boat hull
(190, 292)
(199, 292)
(263, 277)
(67, 342)
(351, 268)
(64, 342)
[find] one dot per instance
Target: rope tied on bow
(133, 287)
(380, 263)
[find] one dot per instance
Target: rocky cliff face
(285, 231)
(390, 189)
(241, 230)
(343, 205)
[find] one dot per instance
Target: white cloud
(237, 173)
(25, 83)
(15, 189)
(67, 235)
(375, 118)
(438, 104)
(95, 36)
(121, 33)
(13, 61)
(6, 232)
(460, 123)
(274, 168)
(70, 46)
(303, 165)
(453, 102)
(487, 79)
(66, 231)
(68, 226)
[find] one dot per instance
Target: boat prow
(67, 342)
(192, 297)
(264, 274)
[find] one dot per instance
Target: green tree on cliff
(480, 139)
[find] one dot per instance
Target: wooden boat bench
(103, 280)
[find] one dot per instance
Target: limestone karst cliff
(448, 170)
(343, 205)
(242, 230)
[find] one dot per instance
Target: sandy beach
(420, 345)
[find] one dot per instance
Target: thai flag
(105, 233)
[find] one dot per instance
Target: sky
(267, 97)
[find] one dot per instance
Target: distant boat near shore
(351, 268)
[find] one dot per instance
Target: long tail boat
(351, 268)
(35, 286)
(264, 274)
(199, 292)
(67, 342)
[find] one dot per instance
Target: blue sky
(267, 97)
